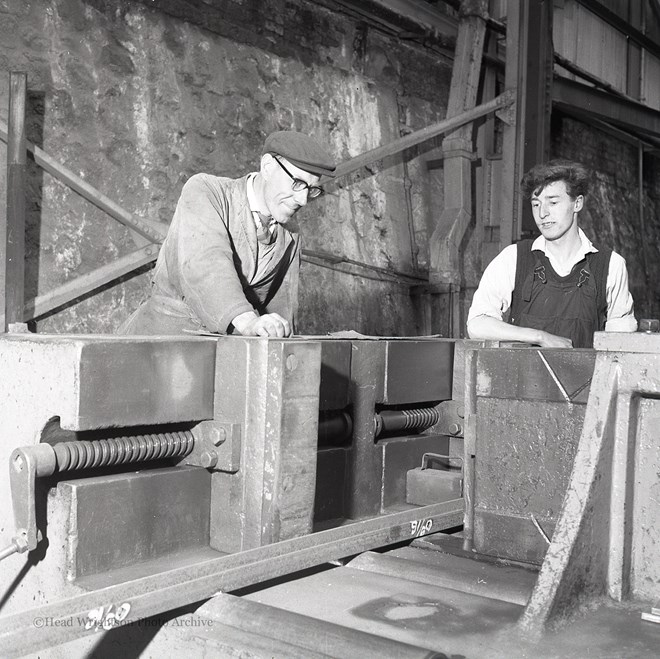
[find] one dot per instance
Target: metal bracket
(217, 446)
(452, 419)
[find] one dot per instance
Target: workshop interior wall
(611, 216)
(135, 97)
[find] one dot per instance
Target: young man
(228, 263)
(559, 289)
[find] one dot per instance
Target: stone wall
(611, 216)
(135, 97)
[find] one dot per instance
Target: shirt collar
(586, 246)
(252, 197)
(252, 202)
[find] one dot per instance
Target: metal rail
(169, 590)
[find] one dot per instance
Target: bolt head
(208, 459)
(218, 435)
(292, 362)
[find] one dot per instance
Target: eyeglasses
(298, 184)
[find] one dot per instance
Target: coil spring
(416, 419)
(122, 450)
(423, 418)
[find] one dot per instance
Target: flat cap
(302, 151)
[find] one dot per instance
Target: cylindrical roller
(396, 420)
(335, 428)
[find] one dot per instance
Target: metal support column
(12, 225)
(529, 62)
(457, 149)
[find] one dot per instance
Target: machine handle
(427, 457)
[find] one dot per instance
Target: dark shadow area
(129, 641)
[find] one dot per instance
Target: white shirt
(493, 297)
(252, 203)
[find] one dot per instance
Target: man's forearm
(492, 329)
(488, 328)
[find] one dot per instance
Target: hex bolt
(20, 540)
(208, 459)
(455, 429)
(218, 435)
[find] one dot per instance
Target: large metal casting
(607, 539)
(527, 408)
(149, 469)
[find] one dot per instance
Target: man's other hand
(270, 324)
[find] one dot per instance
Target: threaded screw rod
(122, 450)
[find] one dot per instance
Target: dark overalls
(574, 306)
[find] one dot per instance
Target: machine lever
(29, 462)
(25, 464)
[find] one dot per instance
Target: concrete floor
(455, 623)
(452, 605)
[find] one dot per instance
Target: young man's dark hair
(575, 175)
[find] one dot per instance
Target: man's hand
(270, 324)
(547, 340)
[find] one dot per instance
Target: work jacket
(206, 271)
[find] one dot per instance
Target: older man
(229, 263)
(558, 289)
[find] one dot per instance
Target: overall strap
(526, 269)
(599, 263)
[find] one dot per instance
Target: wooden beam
(590, 77)
(401, 15)
(445, 262)
(12, 227)
(413, 139)
(422, 13)
(620, 111)
(145, 228)
(87, 283)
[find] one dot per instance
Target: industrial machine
(150, 475)
(131, 456)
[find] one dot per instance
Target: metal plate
(418, 371)
(524, 456)
(127, 519)
(140, 381)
